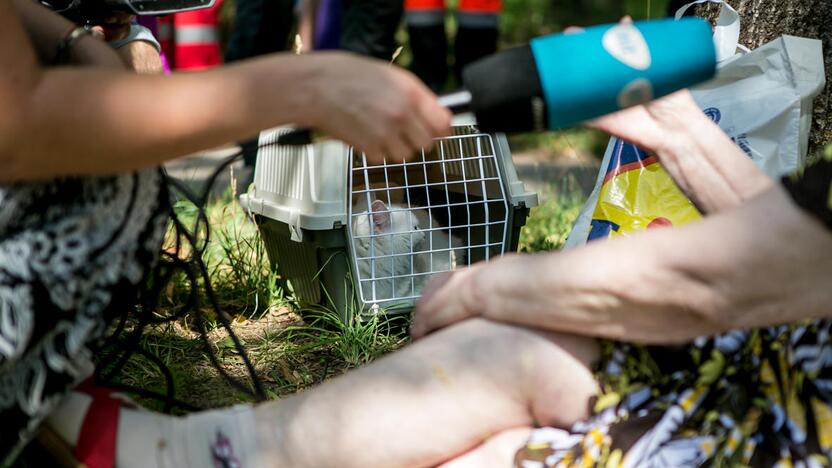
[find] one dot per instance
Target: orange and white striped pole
(196, 39)
(479, 13)
(422, 13)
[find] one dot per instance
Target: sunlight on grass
(549, 223)
(353, 343)
(242, 278)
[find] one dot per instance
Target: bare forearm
(603, 290)
(46, 30)
(63, 121)
(765, 263)
(176, 115)
(142, 58)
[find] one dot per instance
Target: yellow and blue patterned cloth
(745, 398)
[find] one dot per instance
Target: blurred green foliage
(550, 222)
(522, 20)
(575, 142)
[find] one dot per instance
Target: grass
(236, 258)
(291, 348)
(549, 224)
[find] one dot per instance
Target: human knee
(561, 380)
(551, 372)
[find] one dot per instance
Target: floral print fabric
(745, 398)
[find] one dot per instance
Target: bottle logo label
(626, 43)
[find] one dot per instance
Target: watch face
(79, 10)
(60, 5)
(155, 7)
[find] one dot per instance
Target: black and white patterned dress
(72, 253)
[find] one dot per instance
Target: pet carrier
(346, 233)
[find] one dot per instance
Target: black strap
(811, 190)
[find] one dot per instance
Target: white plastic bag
(762, 99)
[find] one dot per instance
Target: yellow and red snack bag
(637, 193)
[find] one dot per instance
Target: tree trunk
(765, 20)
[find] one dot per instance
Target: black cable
(259, 393)
(122, 344)
(150, 394)
(170, 401)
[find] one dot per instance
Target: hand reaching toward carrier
(447, 298)
(383, 110)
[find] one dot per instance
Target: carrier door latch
(295, 232)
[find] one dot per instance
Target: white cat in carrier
(342, 231)
(397, 248)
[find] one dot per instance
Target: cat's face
(394, 230)
(394, 256)
(385, 241)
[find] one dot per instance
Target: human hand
(447, 298)
(654, 126)
(703, 161)
(380, 109)
(112, 27)
(499, 450)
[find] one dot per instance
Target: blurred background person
(366, 27)
(191, 40)
(476, 37)
(260, 27)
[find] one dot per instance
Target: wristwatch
(64, 49)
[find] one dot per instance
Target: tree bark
(765, 20)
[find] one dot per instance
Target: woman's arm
(142, 58)
(45, 30)
(655, 286)
(765, 263)
(73, 121)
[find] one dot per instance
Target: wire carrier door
(408, 221)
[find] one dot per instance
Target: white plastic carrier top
(306, 186)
